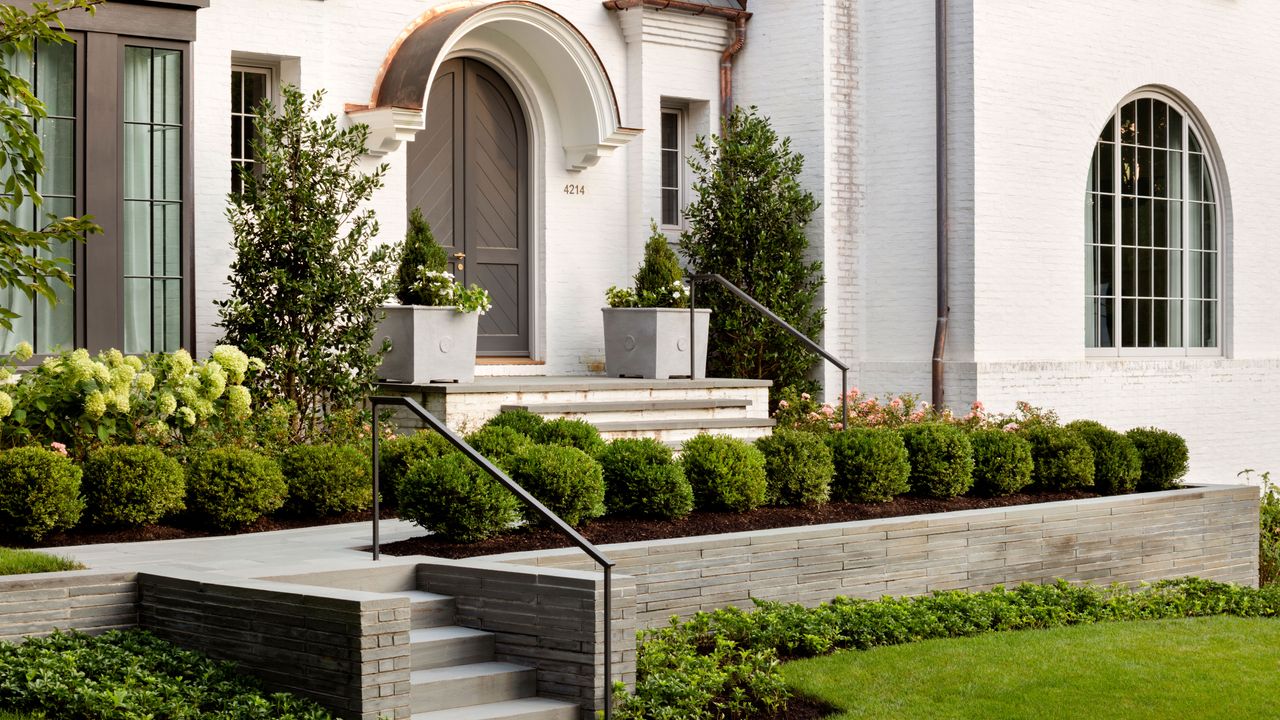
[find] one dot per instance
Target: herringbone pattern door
(468, 171)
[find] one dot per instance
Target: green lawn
(1220, 667)
(20, 562)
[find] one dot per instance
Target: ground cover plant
(727, 664)
(1221, 667)
(22, 562)
(132, 674)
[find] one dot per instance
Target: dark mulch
(799, 708)
(621, 530)
(179, 530)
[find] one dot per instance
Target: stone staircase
(455, 677)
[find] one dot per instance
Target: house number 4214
(572, 189)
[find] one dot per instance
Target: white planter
(654, 342)
(428, 344)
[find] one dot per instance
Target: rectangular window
(51, 72)
(672, 168)
(153, 208)
(249, 87)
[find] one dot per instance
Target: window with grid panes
(672, 168)
(51, 71)
(249, 87)
(1152, 235)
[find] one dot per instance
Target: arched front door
(468, 172)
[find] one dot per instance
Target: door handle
(458, 256)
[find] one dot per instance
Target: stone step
(428, 610)
(449, 645)
(525, 709)
(634, 410)
(464, 685)
(677, 431)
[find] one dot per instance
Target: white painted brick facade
(851, 82)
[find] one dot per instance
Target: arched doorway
(468, 170)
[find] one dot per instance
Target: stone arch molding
(542, 47)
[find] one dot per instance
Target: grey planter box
(654, 342)
(428, 344)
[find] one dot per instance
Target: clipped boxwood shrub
(798, 466)
(128, 485)
(499, 443)
(397, 455)
(454, 498)
(871, 465)
(1165, 458)
(327, 479)
(571, 433)
(641, 478)
(1117, 465)
(941, 459)
(1002, 463)
(518, 419)
(1063, 459)
(726, 473)
(39, 493)
(231, 487)
(565, 479)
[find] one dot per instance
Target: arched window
(1152, 235)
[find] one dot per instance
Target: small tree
(659, 283)
(748, 224)
(305, 287)
(26, 256)
(420, 252)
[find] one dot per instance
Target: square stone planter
(654, 342)
(428, 344)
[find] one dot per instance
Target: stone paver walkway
(329, 547)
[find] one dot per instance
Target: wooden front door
(468, 172)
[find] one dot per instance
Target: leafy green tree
(26, 256)
(748, 224)
(306, 287)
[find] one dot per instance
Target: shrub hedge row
(120, 486)
(725, 664)
(568, 467)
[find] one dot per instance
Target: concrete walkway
(329, 547)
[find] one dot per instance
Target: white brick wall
(851, 82)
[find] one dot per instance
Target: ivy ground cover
(1209, 667)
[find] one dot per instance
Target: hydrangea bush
(81, 401)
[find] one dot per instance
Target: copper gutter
(689, 7)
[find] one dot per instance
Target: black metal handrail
(696, 278)
(583, 544)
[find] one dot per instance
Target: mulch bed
(621, 530)
(179, 531)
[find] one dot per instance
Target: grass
(1204, 668)
(21, 562)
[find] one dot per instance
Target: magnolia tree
(748, 224)
(27, 259)
(306, 286)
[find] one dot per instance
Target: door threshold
(500, 360)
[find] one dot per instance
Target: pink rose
(1011, 427)
(828, 410)
(896, 403)
(59, 448)
(783, 404)
(804, 396)
(977, 406)
(837, 426)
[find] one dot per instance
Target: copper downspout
(941, 202)
(726, 68)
